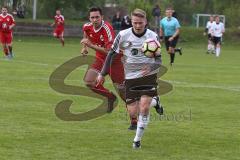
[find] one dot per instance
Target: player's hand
(84, 51)
(170, 39)
(99, 80)
(86, 42)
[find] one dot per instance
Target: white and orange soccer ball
(151, 48)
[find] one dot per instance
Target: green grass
(204, 85)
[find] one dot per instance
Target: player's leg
(167, 44)
(143, 119)
(179, 49)
(172, 45)
(215, 42)
(61, 38)
(4, 46)
(157, 105)
(9, 44)
(209, 46)
(90, 82)
(133, 111)
(218, 46)
(143, 104)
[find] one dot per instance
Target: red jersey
(102, 37)
(59, 21)
(5, 22)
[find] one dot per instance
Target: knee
(89, 84)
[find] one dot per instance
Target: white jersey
(134, 60)
(209, 26)
(218, 29)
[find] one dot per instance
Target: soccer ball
(151, 48)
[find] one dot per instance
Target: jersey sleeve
(177, 25)
(108, 36)
(116, 43)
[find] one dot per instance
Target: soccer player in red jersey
(59, 26)
(99, 36)
(7, 22)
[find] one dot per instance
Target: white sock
(218, 51)
(143, 121)
(212, 47)
(153, 102)
(209, 47)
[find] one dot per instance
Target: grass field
(201, 122)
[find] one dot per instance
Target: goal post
(204, 16)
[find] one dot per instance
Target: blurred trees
(185, 8)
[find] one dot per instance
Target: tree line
(75, 9)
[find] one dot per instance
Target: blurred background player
(217, 33)
(126, 22)
(7, 23)
(59, 26)
(99, 36)
(208, 31)
(116, 22)
(140, 71)
(170, 28)
(156, 13)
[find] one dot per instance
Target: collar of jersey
(99, 27)
(5, 15)
(139, 35)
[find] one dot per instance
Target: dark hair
(4, 7)
(95, 9)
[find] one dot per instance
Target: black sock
(177, 50)
(172, 56)
(10, 49)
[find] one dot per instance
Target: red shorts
(116, 71)
(59, 32)
(6, 37)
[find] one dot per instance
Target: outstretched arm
(107, 64)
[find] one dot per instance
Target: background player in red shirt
(7, 22)
(99, 36)
(59, 26)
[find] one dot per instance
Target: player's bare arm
(161, 34)
(175, 35)
(88, 43)
(84, 50)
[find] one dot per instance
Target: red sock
(62, 41)
(103, 91)
(5, 50)
(134, 120)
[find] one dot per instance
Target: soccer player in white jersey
(217, 33)
(208, 31)
(140, 71)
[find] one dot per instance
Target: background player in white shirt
(217, 33)
(208, 31)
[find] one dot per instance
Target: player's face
(168, 13)
(138, 24)
(58, 12)
(217, 19)
(96, 18)
(4, 11)
(211, 18)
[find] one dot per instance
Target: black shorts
(217, 40)
(135, 88)
(172, 44)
